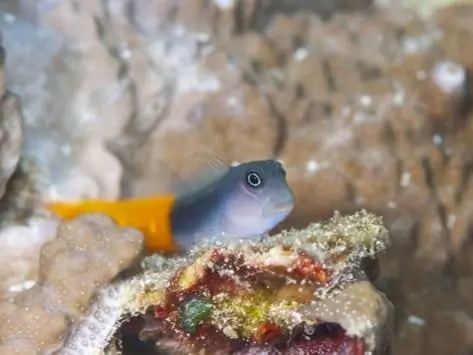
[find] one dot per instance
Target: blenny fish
(215, 200)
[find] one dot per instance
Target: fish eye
(254, 180)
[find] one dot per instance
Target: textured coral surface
(303, 289)
(72, 269)
(367, 109)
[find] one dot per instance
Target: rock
(11, 133)
(11, 137)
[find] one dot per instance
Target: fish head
(256, 198)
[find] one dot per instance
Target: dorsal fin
(200, 171)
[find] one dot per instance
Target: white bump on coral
(301, 54)
(225, 4)
(437, 139)
(405, 179)
(450, 77)
(22, 287)
(366, 100)
(312, 166)
(412, 319)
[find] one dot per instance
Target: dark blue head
(254, 198)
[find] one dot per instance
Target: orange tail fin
(149, 215)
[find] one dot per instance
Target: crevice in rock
(466, 173)
(282, 128)
(239, 20)
(441, 210)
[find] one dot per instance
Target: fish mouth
(278, 208)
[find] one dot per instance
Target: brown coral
(87, 253)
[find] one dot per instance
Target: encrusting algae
(281, 294)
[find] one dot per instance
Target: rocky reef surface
(367, 106)
(301, 291)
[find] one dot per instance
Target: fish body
(221, 201)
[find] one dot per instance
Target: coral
(236, 296)
(56, 74)
(21, 245)
(87, 253)
(93, 332)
